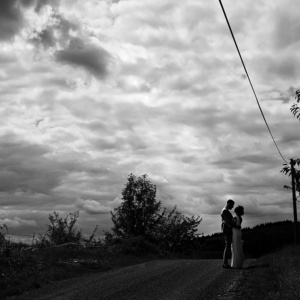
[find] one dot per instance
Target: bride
(236, 246)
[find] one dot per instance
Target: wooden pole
(294, 198)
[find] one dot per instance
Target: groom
(227, 231)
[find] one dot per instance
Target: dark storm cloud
(92, 58)
(257, 175)
(56, 82)
(46, 38)
(41, 3)
(287, 30)
(177, 109)
(11, 16)
(116, 144)
(290, 137)
(284, 67)
(239, 161)
(114, 119)
(58, 32)
(216, 120)
(260, 159)
(25, 168)
(6, 59)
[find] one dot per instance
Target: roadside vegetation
(272, 276)
(142, 230)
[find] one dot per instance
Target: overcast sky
(94, 90)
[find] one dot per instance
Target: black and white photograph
(149, 149)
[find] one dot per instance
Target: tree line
(140, 224)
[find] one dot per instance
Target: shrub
(2, 236)
(5, 245)
(63, 231)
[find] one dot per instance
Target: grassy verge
(25, 270)
(274, 276)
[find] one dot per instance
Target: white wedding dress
(237, 246)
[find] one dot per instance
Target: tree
(287, 169)
(138, 214)
(176, 231)
(291, 171)
(295, 109)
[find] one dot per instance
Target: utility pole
(292, 162)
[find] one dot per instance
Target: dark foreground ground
(161, 279)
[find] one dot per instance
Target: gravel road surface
(161, 279)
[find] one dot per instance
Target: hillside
(259, 240)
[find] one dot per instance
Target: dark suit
(227, 232)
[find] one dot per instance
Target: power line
(250, 80)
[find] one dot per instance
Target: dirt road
(161, 279)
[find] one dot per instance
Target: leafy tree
(138, 214)
(295, 110)
(176, 231)
(288, 171)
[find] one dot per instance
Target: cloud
(17, 222)
(11, 18)
(41, 3)
(94, 59)
(285, 66)
(235, 162)
(287, 25)
(46, 38)
(25, 168)
(12, 15)
(55, 32)
(169, 102)
(92, 207)
(285, 95)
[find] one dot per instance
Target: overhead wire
(261, 111)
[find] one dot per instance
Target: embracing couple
(231, 228)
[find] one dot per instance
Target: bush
(63, 231)
(5, 245)
(176, 232)
(2, 235)
(134, 245)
